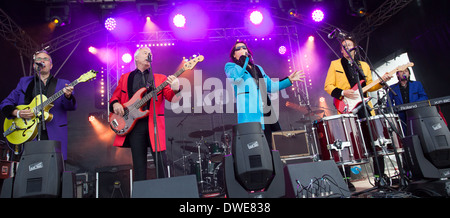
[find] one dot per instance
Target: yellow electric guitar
(19, 130)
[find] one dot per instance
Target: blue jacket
(247, 94)
(416, 93)
(57, 127)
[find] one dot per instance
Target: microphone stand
(356, 69)
(155, 126)
(41, 123)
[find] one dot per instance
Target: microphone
(404, 77)
(336, 32)
(149, 57)
(40, 64)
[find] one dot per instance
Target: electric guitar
(122, 125)
(347, 105)
(19, 130)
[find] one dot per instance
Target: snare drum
(384, 144)
(216, 150)
(340, 139)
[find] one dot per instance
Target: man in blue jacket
(407, 91)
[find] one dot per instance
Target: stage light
(282, 49)
(126, 58)
(91, 118)
(311, 38)
(179, 20)
(322, 99)
(256, 17)
(148, 18)
(317, 15)
(92, 50)
(110, 24)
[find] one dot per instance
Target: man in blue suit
(28, 88)
(407, 91)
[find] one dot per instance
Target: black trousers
(139, 140)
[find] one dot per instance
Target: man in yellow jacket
(340, 79)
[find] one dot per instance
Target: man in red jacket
(142, 135)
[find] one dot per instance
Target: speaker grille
(255, 161)
(34, 185)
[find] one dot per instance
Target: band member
(251, 85)
(407, 91)
(142, 135)
(342, 76)
(30, 86)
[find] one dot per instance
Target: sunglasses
(239, 48)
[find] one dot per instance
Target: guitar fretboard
(52, 98)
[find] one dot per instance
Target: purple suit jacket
(57, 127)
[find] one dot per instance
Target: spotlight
(322, 99)
(110, 24)
(282, 50)
(91, 118)
(317, 15)
(126, 58)
(311, 38)
(58, 14)
(179, 20)
(92, 50)
(256, 17)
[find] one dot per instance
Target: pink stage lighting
(126, 58)
(256, 17)
(92, 50)
(110, 24)
(317, 15)
(282, 49)
(179, 20)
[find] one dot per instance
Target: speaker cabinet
(291, 144)
(315, 179)
(114, 181)
(174, 187)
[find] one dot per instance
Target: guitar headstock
(87, 76)
(403, 67)
(189, 65)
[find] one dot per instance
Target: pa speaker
(114, 181)
(315, 179)
(252, 156)
(174, 187)
(40, 170)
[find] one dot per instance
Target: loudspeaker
(315, 179)
(114, 181)
(433, 134)
(291, 144)
(416, 162)
(40, 170)
(252, 156)
(174, 187)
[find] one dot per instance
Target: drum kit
(206, 157)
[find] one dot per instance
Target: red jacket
(121, 95)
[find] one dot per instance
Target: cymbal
(194, 149)
(183, 141)
(303, 121)
(223, 128)
(315, 112)
(201, 133)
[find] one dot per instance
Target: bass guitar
(19, 130)
(122, 125)
(347, 105)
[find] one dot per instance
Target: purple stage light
(110, 24)
(179, 20)
(317, 15)
(256, 17)
(282, 50)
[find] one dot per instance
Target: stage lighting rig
(59, 14)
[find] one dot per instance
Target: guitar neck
(148, 96)
(55, 96)
(376, 82)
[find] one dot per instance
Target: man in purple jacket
(28, 88)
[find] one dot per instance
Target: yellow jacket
(336, 80)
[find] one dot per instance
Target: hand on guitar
(118, 109)
(386, 77)
(68, 91)
(297, 76)
(24, 114)
(174, 83)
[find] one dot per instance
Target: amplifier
(291, 144)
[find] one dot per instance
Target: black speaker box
(40, 170)
(114, 181)
(291, 144)
(174, 187)
(305, 174)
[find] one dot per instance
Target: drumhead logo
(35, 166)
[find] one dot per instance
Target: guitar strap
(30, 93)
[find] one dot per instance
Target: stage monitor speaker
(252, 156)
(40, 170)
(433, 134)
(114, 181)
(305, 174)
(174, 187)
